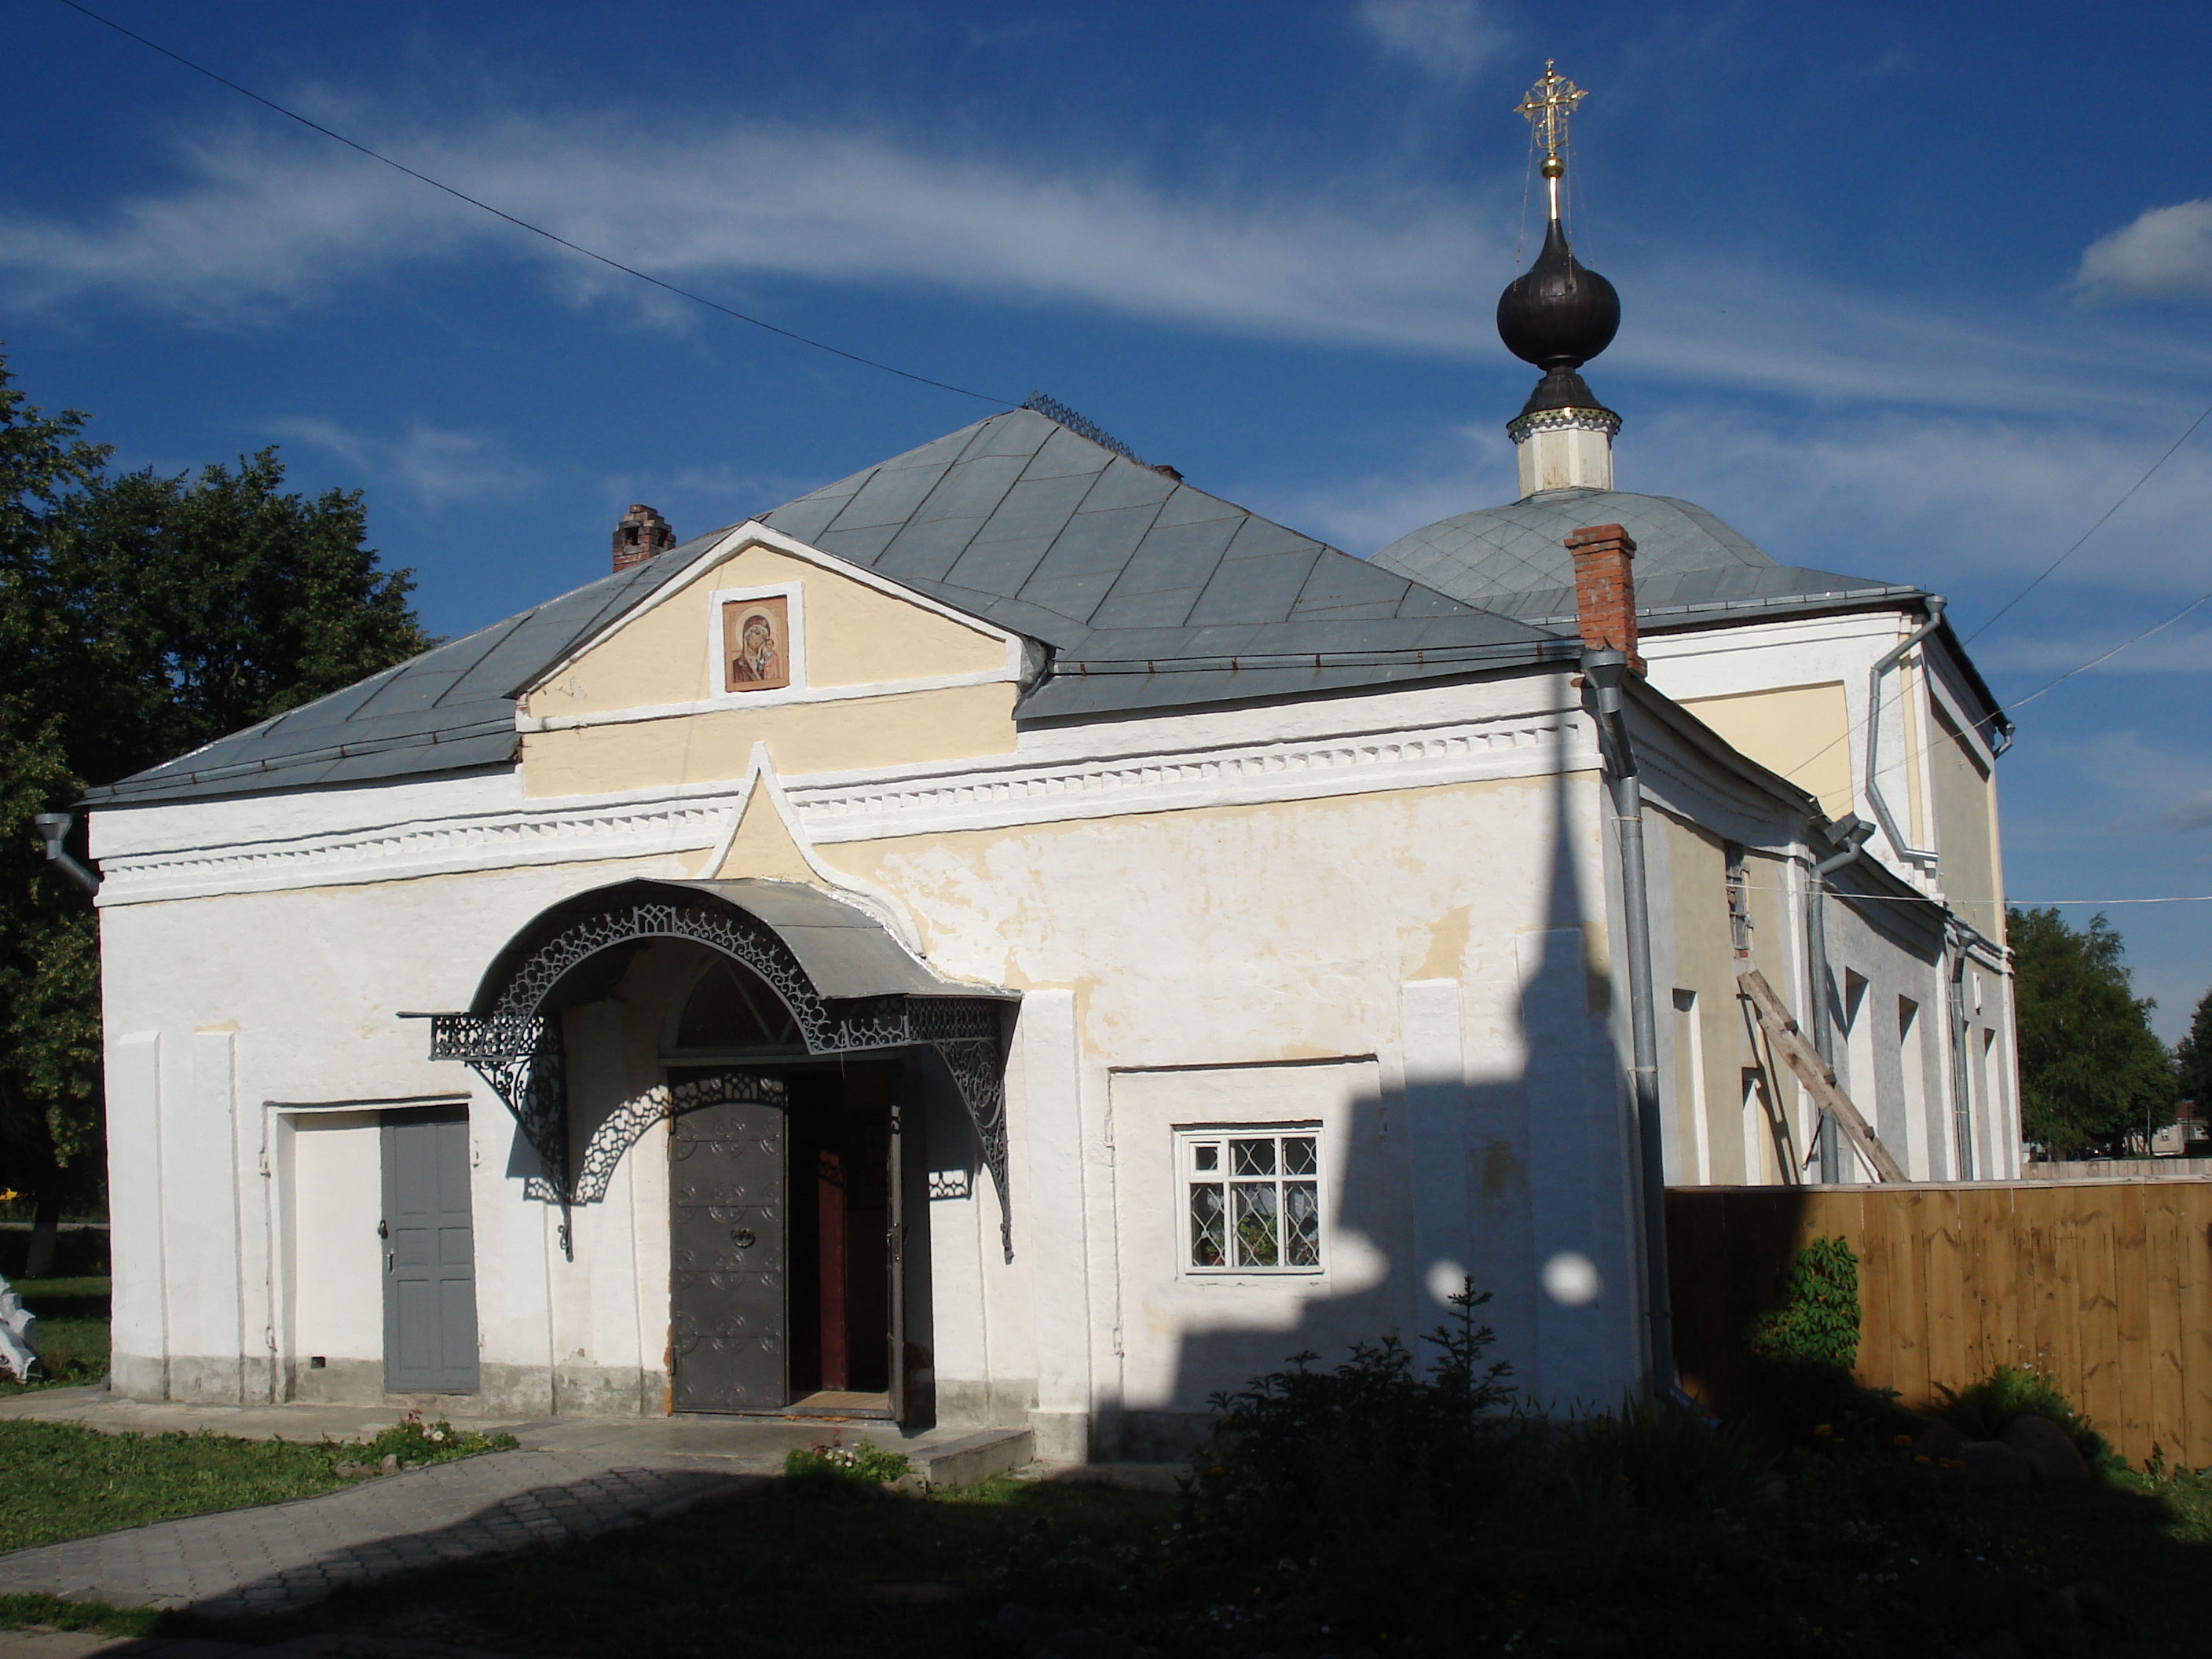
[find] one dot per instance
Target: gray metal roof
(1151, 594)
(1690, 567)
(846, 951)
(450, 709)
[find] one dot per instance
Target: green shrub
(858, 1464)
(413, 1441)
(1818, 1322)
(1981, 1412)
(1658, 1457)
(1332, 1489)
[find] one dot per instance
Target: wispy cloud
(2155, 787)
(258, 225)
(2165, 254)
(434, 466)
(1448, 39)
(1949, 502)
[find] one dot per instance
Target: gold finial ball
(1553, 166)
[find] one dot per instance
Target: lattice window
(1252, 1198)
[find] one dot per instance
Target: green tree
(140, 617)
(2192, 1056)
(2092, 1072)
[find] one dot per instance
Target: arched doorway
(803, 1037)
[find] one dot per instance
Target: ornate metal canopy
(513, 1041)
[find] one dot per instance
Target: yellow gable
(833, 672)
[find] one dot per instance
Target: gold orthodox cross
(1547, 108)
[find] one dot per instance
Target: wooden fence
(2106, 1287)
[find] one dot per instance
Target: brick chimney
(1604, 589)
(639, 534)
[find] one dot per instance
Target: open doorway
(786, 1286)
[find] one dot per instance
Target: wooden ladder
(1816, 1074)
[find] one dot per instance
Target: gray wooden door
(429, 1255)
(728, 1253)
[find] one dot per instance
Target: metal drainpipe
(1962, 1122)
(1852, 831)
(1604, 672)
(1912, 854)
(53, 829)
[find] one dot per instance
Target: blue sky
(1905, 296)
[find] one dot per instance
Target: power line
(2102, 517)
(2093, 528)
(535, 230)
(2022, 703)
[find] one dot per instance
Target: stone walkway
(572, 1478)
(282, 1556)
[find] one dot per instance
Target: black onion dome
(1556, 314)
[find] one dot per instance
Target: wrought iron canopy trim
(514, 1044)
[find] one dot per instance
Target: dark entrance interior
(785, 1279)
(840, 1201)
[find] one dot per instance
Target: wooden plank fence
(2104, 1286)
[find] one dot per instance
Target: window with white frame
(1252, 1198)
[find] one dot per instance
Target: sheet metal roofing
(1151, 594)
(1690, 567)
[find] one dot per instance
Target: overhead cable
(535, 230)
(2093, 528)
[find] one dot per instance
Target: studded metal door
(728, 1253)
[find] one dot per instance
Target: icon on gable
(756, 644)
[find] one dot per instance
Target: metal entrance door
(429, 1255)
(728, 1252)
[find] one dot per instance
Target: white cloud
(258, 224)
(1449, 40)
(434, 466)
(2165, 254)
(2153, 787)
(2177, 650)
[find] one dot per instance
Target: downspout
(1888, 819)
(1603, 672)
(53, 829)
(1962, 1120)
(1852, 831)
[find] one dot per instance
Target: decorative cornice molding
(1523, 427)
(1003, 797)
(831, 808)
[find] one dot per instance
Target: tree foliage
(141, 617)
(2192, 1056)
(2092, 1071)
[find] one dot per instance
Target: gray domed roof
(1514, 559)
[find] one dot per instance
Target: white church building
(1010, 939)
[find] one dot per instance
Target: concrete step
(963, 1460)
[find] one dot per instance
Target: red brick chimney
(639, 534)
(1604, 589)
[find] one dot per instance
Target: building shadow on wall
(1507, 1159)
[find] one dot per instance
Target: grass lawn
(816, 1569)
(58, 1481)
(72, 1331)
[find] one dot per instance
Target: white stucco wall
(1390, 914)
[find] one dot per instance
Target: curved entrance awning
(850, 985)
(846, 951)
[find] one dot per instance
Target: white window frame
(1189, 1138)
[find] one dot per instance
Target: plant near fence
(1818, 1322)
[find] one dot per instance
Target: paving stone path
(281, 1556)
